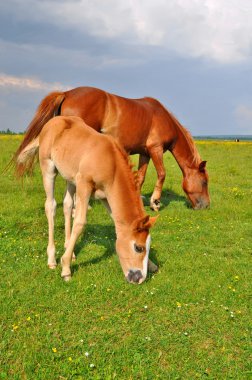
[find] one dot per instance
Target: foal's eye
(138, 248)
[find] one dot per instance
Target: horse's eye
(138, 248)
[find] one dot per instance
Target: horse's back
(134, 122)
(88, 103)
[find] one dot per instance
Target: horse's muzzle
(134, 276)
(201, 204)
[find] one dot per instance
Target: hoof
(73, 258)
(152, 268)
(52, 266)
(66, 278)
(155, 205)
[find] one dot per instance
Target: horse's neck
(124, 201)
(185, 151)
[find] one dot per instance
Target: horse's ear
(202, 166)
(144, 223)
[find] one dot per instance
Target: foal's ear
(202, 166)
(152, 220)
(140, 224)
(144, 223)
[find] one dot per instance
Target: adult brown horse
(142, 126)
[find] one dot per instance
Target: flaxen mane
(128, 167)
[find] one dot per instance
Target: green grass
(188, 321)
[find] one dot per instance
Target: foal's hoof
(73, 258)
(66, 278)
(52, 266)
(155, 205)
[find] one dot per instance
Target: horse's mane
(188, 137)
(185, 133)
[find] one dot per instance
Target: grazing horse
(92, 164)
(142, 126)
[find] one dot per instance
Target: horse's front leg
(49, 175)
(156, 154)
(68, 207)
(83, 192)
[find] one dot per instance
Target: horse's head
(195, 185)
(133, 248)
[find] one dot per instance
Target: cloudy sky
(195, 56)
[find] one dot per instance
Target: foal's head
(195, 185)
(133, 248)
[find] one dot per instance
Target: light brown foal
(94, 164)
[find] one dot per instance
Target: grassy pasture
(188, 321)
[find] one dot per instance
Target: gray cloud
(193, 56)
(219, 30)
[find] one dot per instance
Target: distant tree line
(9, 132)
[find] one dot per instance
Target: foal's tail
(26, 158)
(25, 155)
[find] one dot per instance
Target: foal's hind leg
(68, 207)
(83, 192)
(49, 174)
(156, 154)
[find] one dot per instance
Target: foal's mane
(132, 175)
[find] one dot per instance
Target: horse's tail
(24, 157)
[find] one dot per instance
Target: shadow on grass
(167, 197)
(92, 235)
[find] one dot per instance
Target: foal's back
(75, 148)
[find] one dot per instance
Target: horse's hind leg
(68, 207)
(83, 192)
(49, 174)
(156, 154)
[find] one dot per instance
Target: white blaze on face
(145, 261)
(146, 258)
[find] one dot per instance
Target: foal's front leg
(83, 192)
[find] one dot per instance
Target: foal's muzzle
(134, 276)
